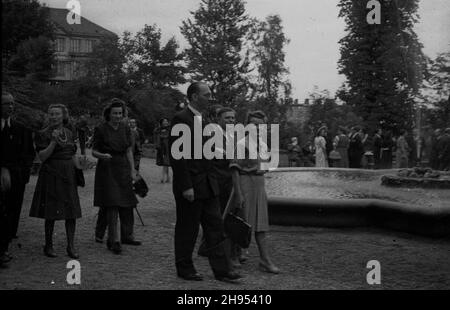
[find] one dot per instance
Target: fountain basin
(354, 198)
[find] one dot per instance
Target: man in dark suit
(16, 159)
(196, 191)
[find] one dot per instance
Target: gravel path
(310, 258)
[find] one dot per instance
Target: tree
(268, 41)
(152, 63)
(106, 66)
(22, 20)
(435, 92)
(34, 56)
(383, 63)
(216, 34)
(268, 48)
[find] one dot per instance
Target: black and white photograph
(231, 147)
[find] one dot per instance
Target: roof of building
(85, 28)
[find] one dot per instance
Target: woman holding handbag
(249, 195)
(56, 195)
(114, 175)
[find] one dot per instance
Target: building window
(75, 45)
(88, 46)
(60, 68)
(60, 44)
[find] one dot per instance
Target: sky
(312, 26)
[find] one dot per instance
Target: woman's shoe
(49, 252)
(271, 268)
(115, 247)
(71, 253)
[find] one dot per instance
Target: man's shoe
(131, 242)
(114, 247)
(191, 276)
(230, 277)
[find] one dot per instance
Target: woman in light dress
(248, 197)
(321, 148)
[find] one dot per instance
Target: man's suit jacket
(17, 151)
(192, 173)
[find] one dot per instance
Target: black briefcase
(140, 188)
(238, 230)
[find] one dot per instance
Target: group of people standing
(348, 148)
(205, 190)
(56, 193)
(355, 148)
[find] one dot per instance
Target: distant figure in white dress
(321, 148)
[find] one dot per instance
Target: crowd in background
(356, 148)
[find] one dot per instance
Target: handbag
(79, 177)
(140, 187)
(335, 155)
(238, 230)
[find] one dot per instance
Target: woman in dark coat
(114, 175)
(162, 148)
(355, 148)
(56, 195)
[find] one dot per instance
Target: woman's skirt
(113, 183)
(56, 194)
(255, 210)
(162, 158)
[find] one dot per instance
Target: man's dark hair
(194, 88)
(256, 114)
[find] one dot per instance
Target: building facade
(74, 44)
(298, 113)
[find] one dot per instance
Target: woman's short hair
(65, 111)
(256, 114)
(114, 103)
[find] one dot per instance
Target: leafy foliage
(216, 34)
(149, 62)
(383, 64)
(22, 20)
